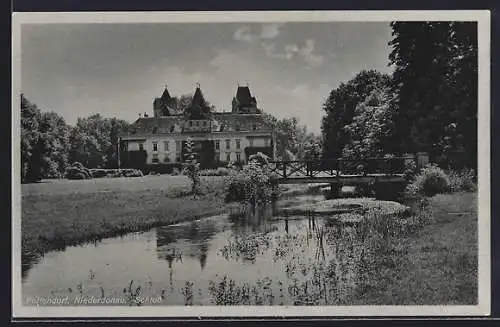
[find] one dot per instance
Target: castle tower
(244, 102)
(164, 105)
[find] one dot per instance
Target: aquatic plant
(187, 291)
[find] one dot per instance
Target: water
(173, 265)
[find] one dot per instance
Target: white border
(484, 283)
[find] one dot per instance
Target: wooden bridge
(341, 171)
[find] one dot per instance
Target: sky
(117, 70)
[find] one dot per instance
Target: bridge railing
(335, 167)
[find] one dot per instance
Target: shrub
(252, 184)
(77, 173)
(221, 171)
(463, 180)
(430, 181)
(98, 173)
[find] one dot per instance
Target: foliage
(291, 138)
(430, 181)
(192, 167)
(221, 171)
(371, 128)
(94, 141)
(435, 80)
(462, 180)
(44, 143)
(340, 108)
(312, 149)
(78, 171)
(252, 184)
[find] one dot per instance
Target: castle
(218, 137)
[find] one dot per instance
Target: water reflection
(190, 240)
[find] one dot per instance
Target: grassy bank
(436, 264)
(60, 213)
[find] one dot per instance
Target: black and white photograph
(251, 164)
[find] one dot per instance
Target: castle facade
(218, 138)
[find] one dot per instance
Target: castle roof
(165, 97)
(198, 99)
(221, 121)
(244, 96)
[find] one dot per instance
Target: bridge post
(335, 189)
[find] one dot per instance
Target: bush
(221, 171)
(77, 172)
(430, 181)
(252, 184)
(463, 180)
(98, 173)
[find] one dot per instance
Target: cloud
(307, 54)
(243, 34)
(292, 50)
(270, 49)
(268, 31)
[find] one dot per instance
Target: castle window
(228, 156)
(190, 123)
(197, 123)
(141, 146)
(165, 145)
(228, 144)
(155, 146)
(222, 127)
(204, 123)
(254, 127)
(155, 158)
(238, 157)
(178, 146)
(155, 130)
(238, 144)
(237, 127)
(251, 142)
(217, 144)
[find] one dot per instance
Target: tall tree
(94, 141)
(44, 143)
(30, 117)
(436, 84)
(340, 109)
(371, 129)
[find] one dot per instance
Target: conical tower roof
(198, 99)
(165, 97)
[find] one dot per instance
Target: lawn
(436, 265)
(63, 212)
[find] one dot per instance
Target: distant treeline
(429, 104)
(49, 145)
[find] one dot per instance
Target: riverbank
(56, 214)
(435, 265)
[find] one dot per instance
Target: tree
(94, 141)
(44, 143)
(436, 85)
(340, 109)
(370, 132)
(30, 117)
